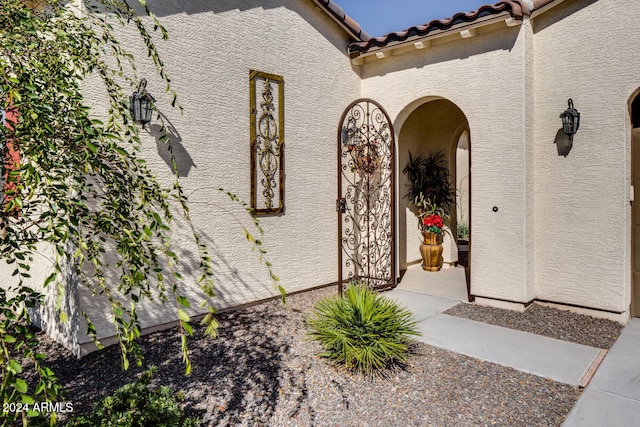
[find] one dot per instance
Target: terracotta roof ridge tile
(337, 13)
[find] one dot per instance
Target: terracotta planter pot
(431, 251)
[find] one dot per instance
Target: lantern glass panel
(146, 108)
(141, 104)
(135, 107)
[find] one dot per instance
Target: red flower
(433, 223)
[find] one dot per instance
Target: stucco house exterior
(548, 222)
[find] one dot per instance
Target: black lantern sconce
(570, 119)
(141, 104)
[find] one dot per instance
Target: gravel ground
(547, 321)
(263, 371)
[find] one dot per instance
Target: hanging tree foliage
(80, 185)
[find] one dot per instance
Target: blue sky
(379, 17)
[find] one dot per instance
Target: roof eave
(426, 39)
(541, 6)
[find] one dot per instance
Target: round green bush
(362, 330)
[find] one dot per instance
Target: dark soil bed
(550, 322)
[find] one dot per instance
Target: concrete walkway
(612, 397)
(558, 360)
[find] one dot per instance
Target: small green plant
(362, 330)
(463, 230)
(136, 405)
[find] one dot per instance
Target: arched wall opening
(430, 125)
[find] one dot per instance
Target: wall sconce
(570, 119)
(141, 104)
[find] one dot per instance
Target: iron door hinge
(341, 205)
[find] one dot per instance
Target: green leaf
(14, 366)
(283, 294)
(182, 315)
(50, 279)
(91, 147)
(28, 400)
(188, 328)
(20, 385)
(183, 301)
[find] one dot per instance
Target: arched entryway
(433, 125)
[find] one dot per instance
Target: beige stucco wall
(210, 52)
(484, 77)
(586, 51)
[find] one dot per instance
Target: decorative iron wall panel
(267, 142)
(366, 196)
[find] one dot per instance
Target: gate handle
(341, 205)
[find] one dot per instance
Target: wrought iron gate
(366, 196)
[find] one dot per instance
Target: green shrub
(136, 405)
(362, 329)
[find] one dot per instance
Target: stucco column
(502, 191)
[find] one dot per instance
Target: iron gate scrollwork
(366, 196)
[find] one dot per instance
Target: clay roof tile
(337, 13)
(517, 8)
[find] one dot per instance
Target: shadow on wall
(239, 276)
(231, 290)
(184, 162)
(563, 142)
(235, 283)
(46, 316)
(229, 284)
(560, 12)
(170, 7)
(317, 18)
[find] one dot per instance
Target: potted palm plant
(432, 197)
